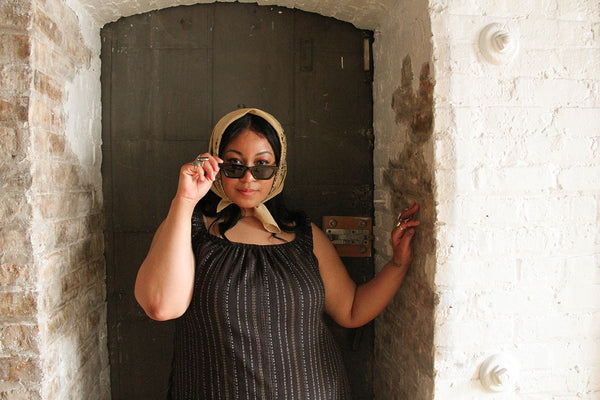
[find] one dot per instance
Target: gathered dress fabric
(255, 328)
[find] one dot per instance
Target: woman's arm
(165, 280)
(351, 305)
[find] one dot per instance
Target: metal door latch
(351, 236)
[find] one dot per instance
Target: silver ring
(401, 221)
(199, 161)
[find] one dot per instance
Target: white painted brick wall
(518, 190)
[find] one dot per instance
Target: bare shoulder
(318, 234)
(321, 243)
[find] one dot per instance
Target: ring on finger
(401, 221)
(199, 161)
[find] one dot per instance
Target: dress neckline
(243, 244)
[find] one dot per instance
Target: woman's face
(248, 148)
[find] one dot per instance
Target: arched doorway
(167, 77)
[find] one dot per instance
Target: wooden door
(167, 77)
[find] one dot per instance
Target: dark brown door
(167, 77)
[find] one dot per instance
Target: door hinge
(351, 236)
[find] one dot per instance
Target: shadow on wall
(408, 175)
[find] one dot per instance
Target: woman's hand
(402, 236)
(196, 178)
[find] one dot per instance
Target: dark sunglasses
(261, 172)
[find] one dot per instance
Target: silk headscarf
(261, 211)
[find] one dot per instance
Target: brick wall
(52, 310)
(20, 363)
(517, 187)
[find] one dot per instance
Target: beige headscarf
(261, 211)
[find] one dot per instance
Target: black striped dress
(254, 328)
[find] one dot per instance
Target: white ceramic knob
(497, 44)
(499, 373)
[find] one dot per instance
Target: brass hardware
(351, 236)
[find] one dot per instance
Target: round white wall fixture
(497, 44)
(499, 373)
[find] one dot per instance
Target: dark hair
(288, 221)
(257, 125)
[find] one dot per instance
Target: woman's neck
(247, 212)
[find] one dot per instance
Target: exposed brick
(47, 86)
(14, 48)
(54, 265)
(15, 78)
(15, 178)
(15, 14)
(80, 55)
(66, 175)
(13, 110)
(68, 231)
(13, 238)
(46, 115)
(47, 26)
(42, 176)
(18, 304)
(65, 205)
(25, 371)
(52, 61)
(13, 207)
(14, 145)
(48, 143)
(19, 393)
(19, 340)
(17, 275)
(84, 251)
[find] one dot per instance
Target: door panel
(167, 77)
(253, 62)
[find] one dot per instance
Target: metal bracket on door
(351, 236)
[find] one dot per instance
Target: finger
(208, 164)
(199, 173)
(410, 211)
(214, 167)
(412, 224)
(214, 161)
(404, 226)
(209, 171)
(189, 169)
(404, 243)
(397, 234)
(200, 160)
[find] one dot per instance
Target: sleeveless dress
(255, 328)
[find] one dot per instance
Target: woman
(250, 287)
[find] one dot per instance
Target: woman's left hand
(403, 234)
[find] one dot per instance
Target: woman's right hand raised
(196, 178)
